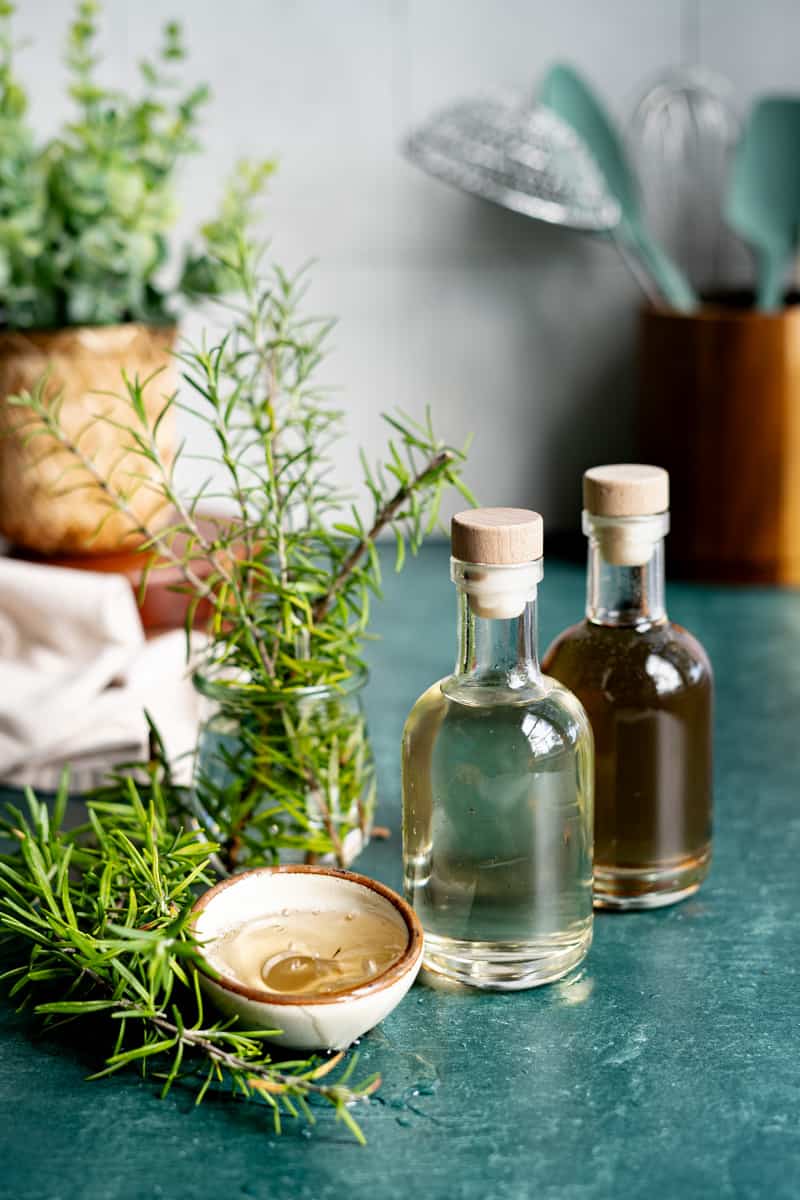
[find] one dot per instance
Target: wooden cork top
(625, 490)
(497, 536)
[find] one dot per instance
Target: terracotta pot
(164, 603)
(720, 409)
(44, 507)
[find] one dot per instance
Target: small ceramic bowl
(331, 1021)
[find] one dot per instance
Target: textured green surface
(667, 1068)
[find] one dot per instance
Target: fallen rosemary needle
(95, 922)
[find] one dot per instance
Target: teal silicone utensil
(763, 202)
(567, 94)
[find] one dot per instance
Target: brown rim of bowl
(393, 972)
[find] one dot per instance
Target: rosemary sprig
(288, 574)
(385, 516)
(99, 916)
(292, 568)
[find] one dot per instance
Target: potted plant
(283, 765)
(84, 266)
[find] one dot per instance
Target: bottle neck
(497, 651)
(625, 581)
(497, 625)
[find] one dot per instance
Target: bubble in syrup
(310, 951)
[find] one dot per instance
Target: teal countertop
(668, 1067)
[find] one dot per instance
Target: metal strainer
(520, 155)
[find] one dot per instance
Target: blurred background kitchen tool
(566, 93)
(520, 155)
(502, 148)
(763, 202)
(683, 131)
(718, 402)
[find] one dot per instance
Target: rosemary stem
(384, 516)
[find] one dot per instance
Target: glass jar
(283, 776)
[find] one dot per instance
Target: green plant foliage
(294, 775)
(96, 922)
(84, 218)
(289, 574)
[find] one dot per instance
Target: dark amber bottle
(647, 687)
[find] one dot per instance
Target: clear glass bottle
(498, 780)
(647, 686)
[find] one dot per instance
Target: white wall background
(520, 333)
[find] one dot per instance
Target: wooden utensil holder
(719, 407)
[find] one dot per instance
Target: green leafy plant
(96, 922)
(84, 218)
(284, 764)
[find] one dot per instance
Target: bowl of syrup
(317, 954)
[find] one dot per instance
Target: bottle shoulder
(549, 706)
(614, 657)
(560, 698)
(692, 646)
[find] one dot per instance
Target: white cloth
(76, 676)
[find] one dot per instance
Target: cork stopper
(625, 509)
(625, 490)
(497, 536)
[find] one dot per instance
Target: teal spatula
(763, 202)
(566, 93)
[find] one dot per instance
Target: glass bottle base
(505, 966)
(625, 888)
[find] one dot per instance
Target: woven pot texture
(45, 507)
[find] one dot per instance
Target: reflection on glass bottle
(647, 687)
(497, 780)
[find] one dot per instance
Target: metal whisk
(683, 129)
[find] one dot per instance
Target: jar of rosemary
(284, 775)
